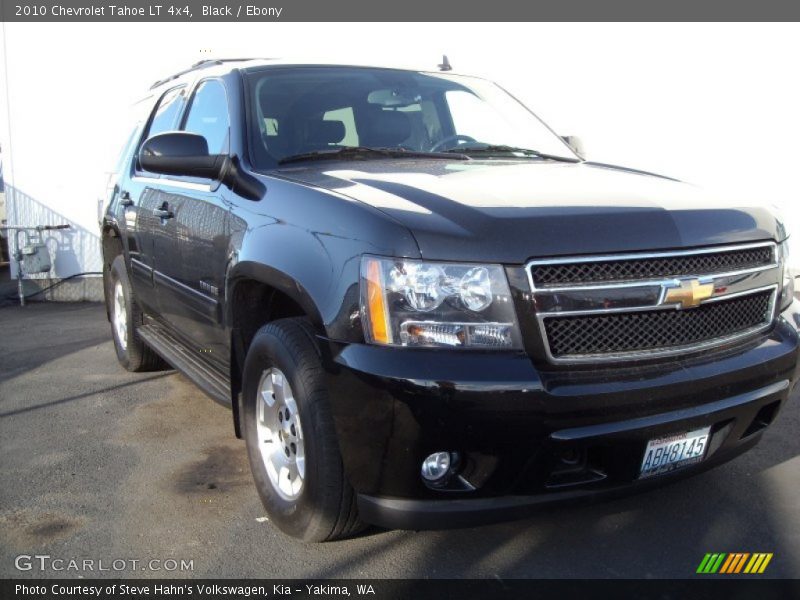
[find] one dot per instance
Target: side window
(165, 116)
(208, 116)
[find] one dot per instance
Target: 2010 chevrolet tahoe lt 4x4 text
(424, 307)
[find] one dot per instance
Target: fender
(268, 275)
(307, 243)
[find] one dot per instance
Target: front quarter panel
(307, 243)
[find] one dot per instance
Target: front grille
(649, 330)
(652, 267)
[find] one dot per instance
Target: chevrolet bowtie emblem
(688, 293)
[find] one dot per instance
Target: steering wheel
(452, 138)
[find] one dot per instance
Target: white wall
(714, 104)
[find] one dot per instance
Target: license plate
(668, 453)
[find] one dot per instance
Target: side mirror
(180, 153)
(576, 143)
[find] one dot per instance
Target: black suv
(424, 307)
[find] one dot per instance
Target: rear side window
(208, 116)
(165, 116)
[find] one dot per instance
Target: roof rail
(208, 62)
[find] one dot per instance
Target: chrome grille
(571, 273)
(655, 329)
(625, 307)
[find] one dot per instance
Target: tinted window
(208, 116)
(165, 117)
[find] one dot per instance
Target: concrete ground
(98, 463)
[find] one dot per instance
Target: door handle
(125, 198)
(164, 212)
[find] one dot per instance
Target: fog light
(436, 466)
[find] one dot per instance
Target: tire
(132, 352)
(314, 503)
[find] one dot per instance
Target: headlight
(414, 303)
(787, 291)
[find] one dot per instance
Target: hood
(511, 211)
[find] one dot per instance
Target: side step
(207, 378)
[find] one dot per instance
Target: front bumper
(533, 436)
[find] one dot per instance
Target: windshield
(301, 110)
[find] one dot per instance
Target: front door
(191, 254)
(191, 248)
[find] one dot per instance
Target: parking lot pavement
(102, 464)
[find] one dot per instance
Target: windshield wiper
(365, 152)
(502, 149)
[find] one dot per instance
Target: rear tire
(291, 440)
(126, 316)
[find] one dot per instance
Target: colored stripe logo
(734, 563)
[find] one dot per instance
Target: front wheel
(291, 442)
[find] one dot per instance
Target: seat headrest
(324, 132)
(388, 128)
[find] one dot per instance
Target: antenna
(445, 66)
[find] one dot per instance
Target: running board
(212, 381)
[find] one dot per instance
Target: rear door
(191, 246)
(138, 200)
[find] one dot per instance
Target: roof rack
(208, 62)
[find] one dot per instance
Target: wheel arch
(257, 294)
(111, 247)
